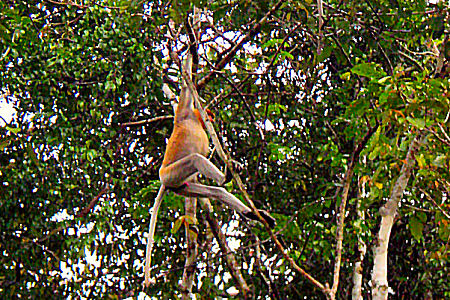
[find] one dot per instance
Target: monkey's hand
(151, 281)
(177, 189)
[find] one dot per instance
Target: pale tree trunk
(380, 286)
(358, 268)
(191, 231)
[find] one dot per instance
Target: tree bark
(380, 286)
(358, 269)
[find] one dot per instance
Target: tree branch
(91, 205)
(380, 284)
(230, 55)
(341, 217)
(145, 122)
(238, 181)
(229, 257)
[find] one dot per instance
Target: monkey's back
(188, 137)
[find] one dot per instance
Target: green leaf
(277, 108)
(285, 54)
(422, 216)
(444, 231)
(417, 122)
(368, 70)
(14, 130)
(421, 160)
(4, 143)
(439, 161)
(91, 155)
(416, 228)
(32, 155)
(271, 43)
(345, 76)
(177, 224)
(374, 153)
(326, 52)
(383, 97)
(144, 193)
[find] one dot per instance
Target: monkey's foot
(269, 219)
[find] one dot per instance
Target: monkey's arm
(186, 101)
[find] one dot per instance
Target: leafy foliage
(77, 184)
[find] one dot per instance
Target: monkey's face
(208, 113)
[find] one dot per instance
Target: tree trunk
(380, 286)
(358, 269)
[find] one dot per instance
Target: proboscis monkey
(184, 158)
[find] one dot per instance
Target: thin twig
(435, 203)
(145, 122)
(438, 137)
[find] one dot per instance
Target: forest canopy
(337, 112)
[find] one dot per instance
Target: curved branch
(240, 184)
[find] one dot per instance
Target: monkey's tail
(151, 234)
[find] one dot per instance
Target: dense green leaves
(371, 71)
(76, 184)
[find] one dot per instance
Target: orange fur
(188, 136)
(184, 159)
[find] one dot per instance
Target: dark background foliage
(76, 71)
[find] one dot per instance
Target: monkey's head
(208, 112)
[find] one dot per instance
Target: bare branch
(221, 240)
(145, 122)
(435, 203)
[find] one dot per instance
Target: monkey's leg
(219, 193)
(151, 234)
(177, 173)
